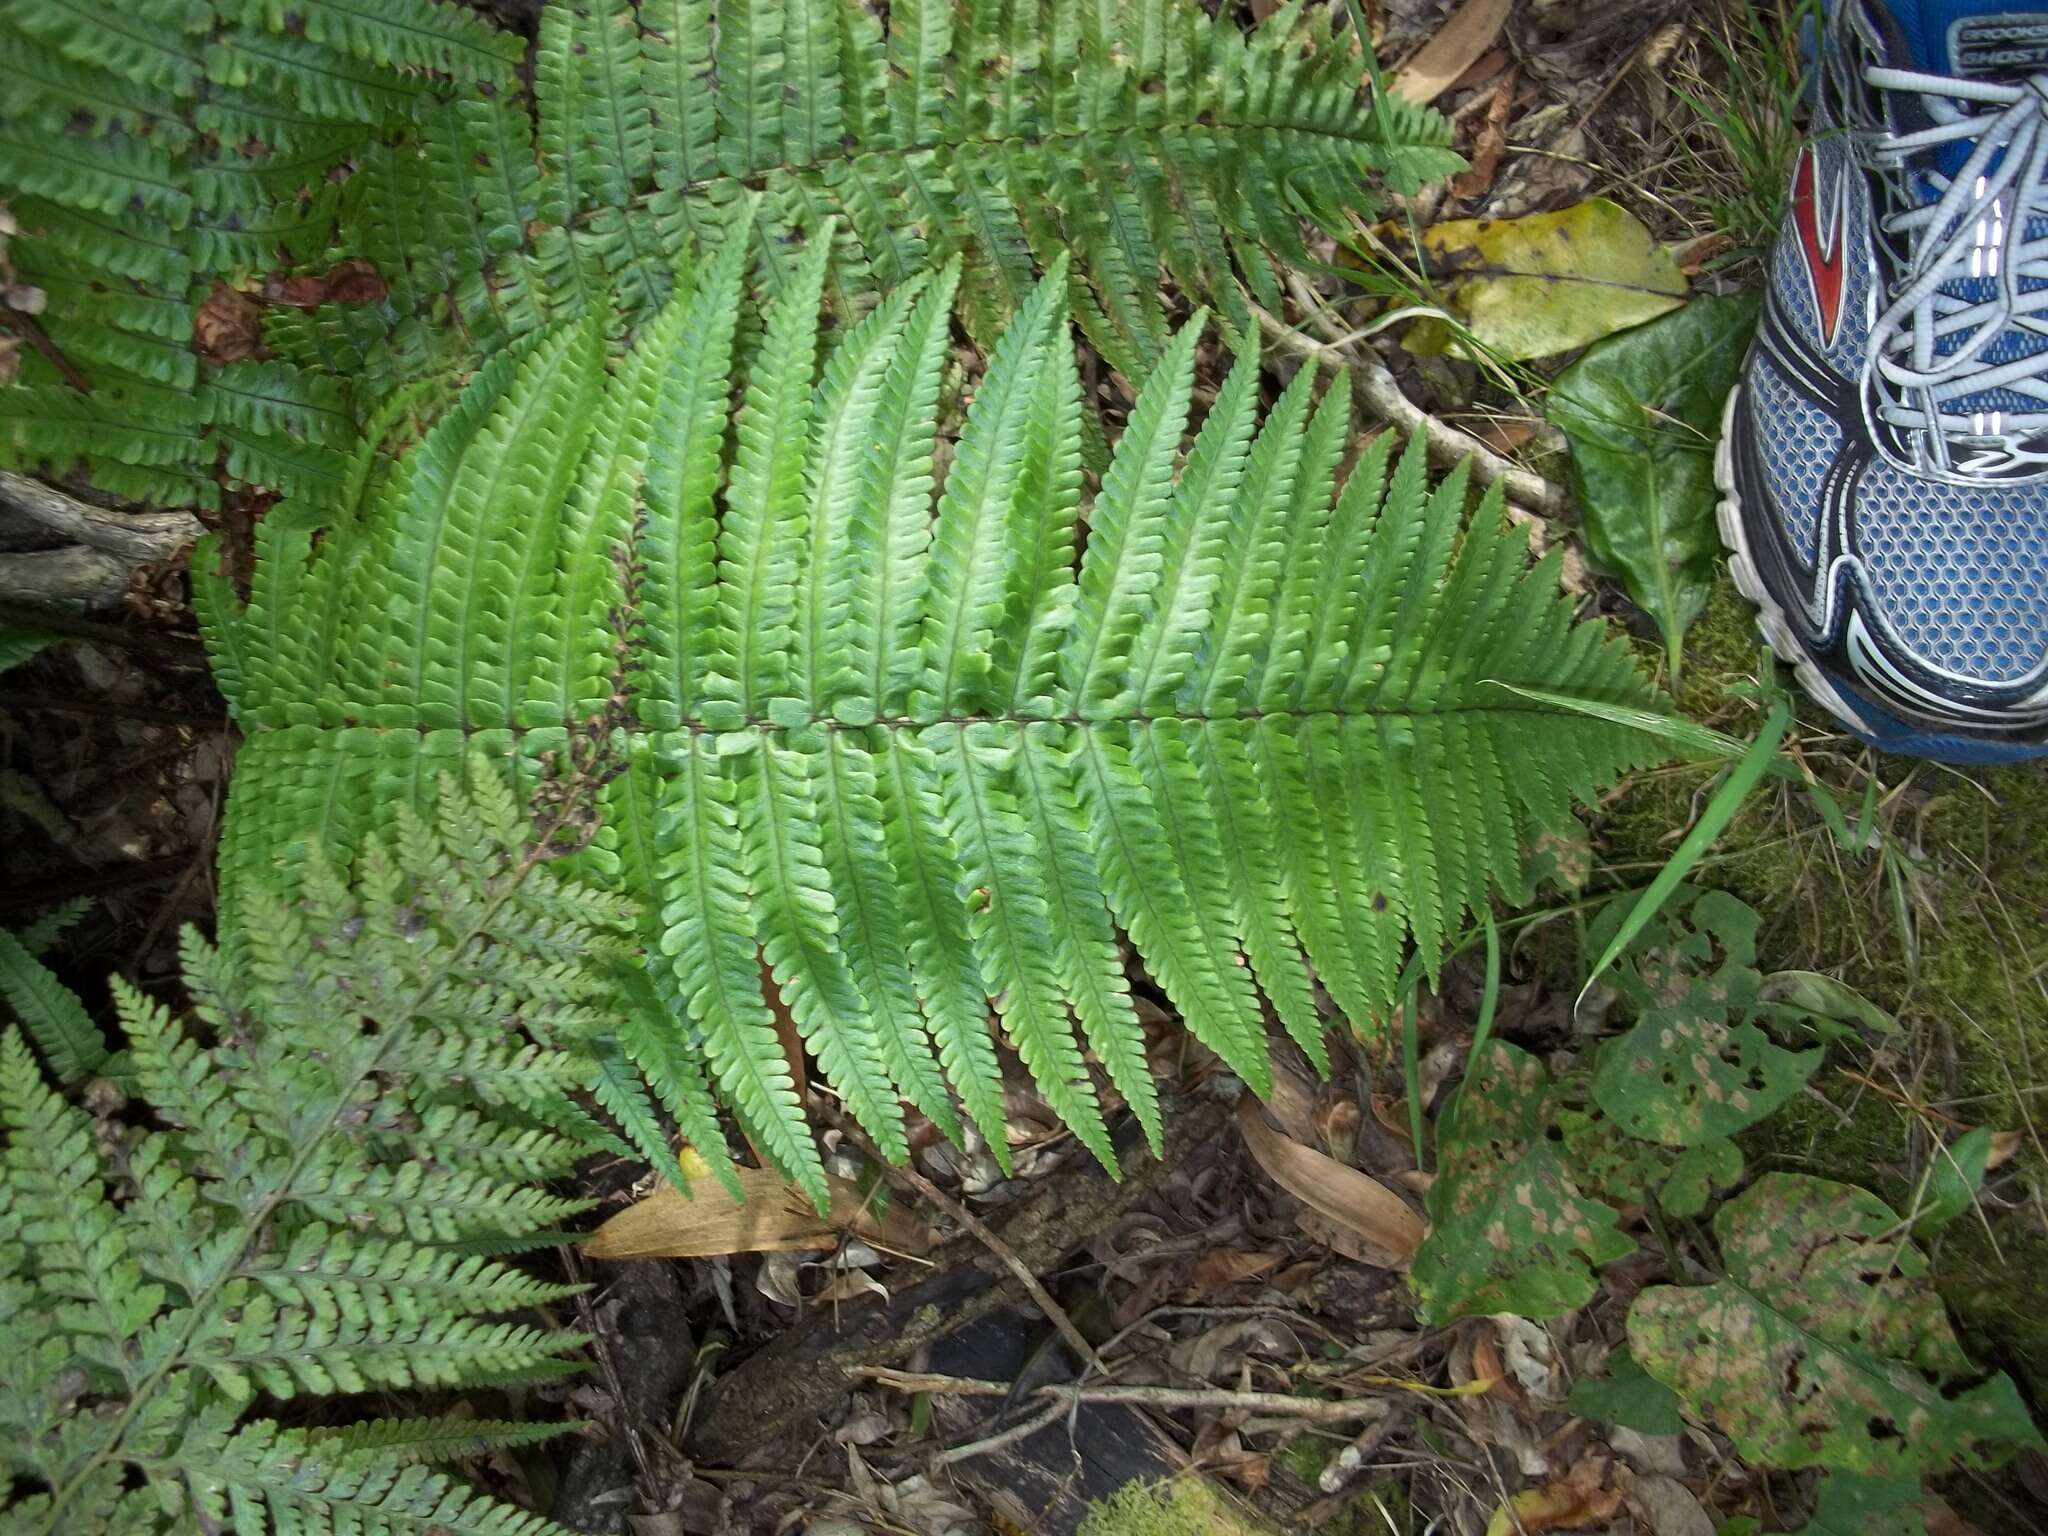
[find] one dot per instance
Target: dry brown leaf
(1578, 1503)
(1504, 436)
(1482, 69)
(1293, 1103)
(352, 282)
(1943, 1521)
(1667, 1507)
(1490, 145)
(228, 327)
(1337, 1128)
(1219, 1448)
(1488, 1367)
(2005, 1146)
(1457, 46)
(775, 1218)
(1392, 1114)
(1221, 1268)
(1387, 1233)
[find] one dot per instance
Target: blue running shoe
(1884, 467)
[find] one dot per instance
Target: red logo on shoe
(1826, 267)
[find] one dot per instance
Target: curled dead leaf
(1293, 1104)
(1488, 1367)
(228, 327)
(352, 282)
(1578, 1502)
(2005, 1146)
(1490, 145)
(1221, 1268)
(1458, 44)
(1383, 1230)
(774, 1218)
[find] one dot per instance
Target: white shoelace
(1928, 344)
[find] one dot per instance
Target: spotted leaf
(1825, 1344)
(1510, 1230)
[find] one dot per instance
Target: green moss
(1972, 853)
(1184, 1507)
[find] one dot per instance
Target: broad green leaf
(1825, 1344)
(1627, 1395)
(1510, 1231)
(1824, 1005)
(20, 643)
(1606, 1162)
(1867, 1506)
(1953, 1181)
(1549, 282)
(1697, 1172)
(1643, 412)
(1610, 1164)
(1694, 1067)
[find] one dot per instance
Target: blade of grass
(1690, 737)
(1714, 820)
(1411, 1067)
(1489, 1000)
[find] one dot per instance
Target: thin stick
(31, 330)
(917, 1183)
(1008, 1437)
(1379, 390)
(1173, 1399)
(928, 1381)
(1176, 1399)
(131, 535)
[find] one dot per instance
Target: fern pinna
(298, 1198)
(920, 757)
(155, 155)
(150, 151)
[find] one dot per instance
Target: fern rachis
(906, 745)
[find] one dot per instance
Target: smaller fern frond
(50, 1011)
(326, 1135)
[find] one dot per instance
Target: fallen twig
(1022, 1430)
(918, 1184)
(1175, 1399)
(135, 537)
(1379, 390)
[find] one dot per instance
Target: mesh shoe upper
(1889, 448)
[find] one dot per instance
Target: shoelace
(1929, 343)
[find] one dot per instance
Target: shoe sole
(1770, 618)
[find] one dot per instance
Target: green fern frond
(156, 155)
(350, 1107)
(50, 1011)
(1259, 769)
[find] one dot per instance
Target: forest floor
(742, 1392)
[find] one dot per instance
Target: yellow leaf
(1544, 284)
(1578, 1503)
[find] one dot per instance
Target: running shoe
(1884, 464)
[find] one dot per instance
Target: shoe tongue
(1976, 39)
